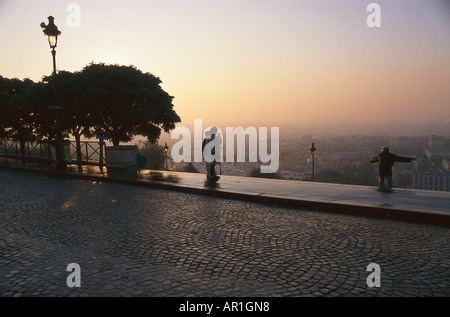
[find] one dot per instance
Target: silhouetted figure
(385, 161)
(211, 174)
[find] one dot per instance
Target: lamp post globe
(313, 149)
(51, 30)
(166, 148)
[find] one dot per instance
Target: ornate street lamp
(166, 148)
(313, 152)
(51, 30)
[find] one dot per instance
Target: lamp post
(166, 148)
(51, 30)
(313, 152)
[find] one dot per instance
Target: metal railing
(89, 151)
(31, 149)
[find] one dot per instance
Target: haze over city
(294, 64)
(245, 153)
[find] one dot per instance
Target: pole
(313, 152)
(166, 161)
(54, 61)
(60, 163)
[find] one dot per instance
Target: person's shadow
(212, 184)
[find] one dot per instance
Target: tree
(154, 153)
(77, 115)
(126, 103)
(18, 113)
(41, 96)
(5, 95)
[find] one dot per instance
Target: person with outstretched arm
(385, 161)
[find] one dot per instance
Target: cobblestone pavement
(134, 241)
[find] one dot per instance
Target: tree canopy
(17, 115)
(127, 102)
(119, 102)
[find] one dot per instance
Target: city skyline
(254, 63)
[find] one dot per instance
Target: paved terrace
(421, 206)
(188, 241)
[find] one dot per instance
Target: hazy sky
(252, 62)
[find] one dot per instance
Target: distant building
(293, 175)
(445, 164)
(428, 180)
(436, 142)
(437, 153)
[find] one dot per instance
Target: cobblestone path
(134, 241)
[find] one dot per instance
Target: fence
(90, 151)
(31, 149)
